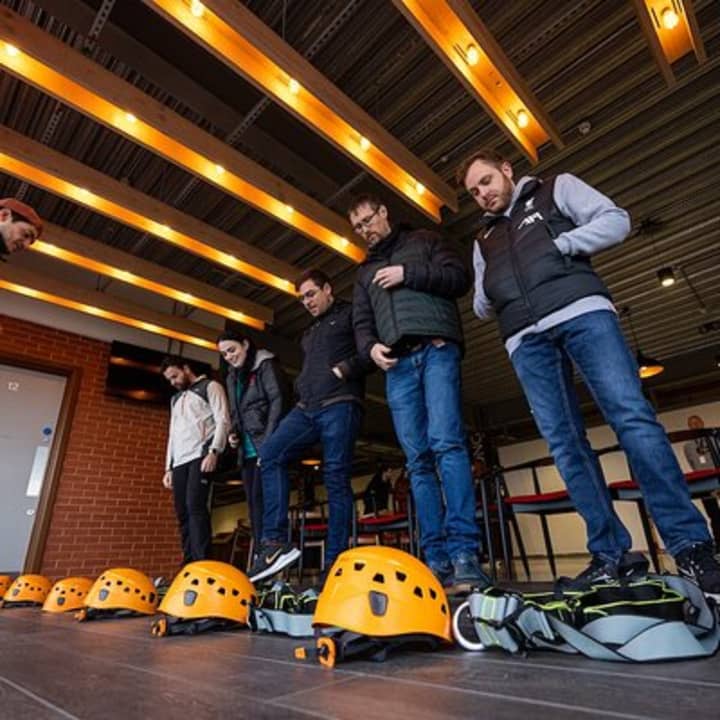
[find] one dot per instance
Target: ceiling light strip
(22, 157)
(32, 285)
(671, 30)
(76, 250)
(238, 38)
(52, 67)
(466, 46)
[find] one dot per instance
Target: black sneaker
(600, 571)
(443, 572)
(698, 563)
(272, 557)
(633, 566)
(468, 573)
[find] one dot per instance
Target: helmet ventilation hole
(443, 609)
(433, 594)
(358, 566)
(210, 581)
(221, 590)
(418, 591)
(379, 578)
(235, 592)
(401, 576)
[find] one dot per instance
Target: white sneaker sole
(280, 563)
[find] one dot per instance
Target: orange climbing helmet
(5, 582)
(383, 592)
(376, 600)
(205, 590)
(27, 590)
(120, 591)
(67, 594)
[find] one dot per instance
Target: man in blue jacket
(407, 322)
(330, 390)
(533, 269)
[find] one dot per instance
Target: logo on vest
(529, 204)
(530, 220)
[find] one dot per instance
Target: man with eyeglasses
(20, 226)
(330, 390)
(407, 322)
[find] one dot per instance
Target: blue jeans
(423, 391)
(594, 344)
(335, 427)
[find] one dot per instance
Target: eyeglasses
(365, 222)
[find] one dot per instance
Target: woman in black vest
(257, 393)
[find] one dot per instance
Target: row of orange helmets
(371, 592)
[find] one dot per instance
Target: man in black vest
(533, 269)
(407, 321)
(199, 425)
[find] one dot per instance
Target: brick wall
(110, 508)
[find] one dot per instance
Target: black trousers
(190, 493)
(253, 492)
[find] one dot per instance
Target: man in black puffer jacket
(407, 321)
(330, 388)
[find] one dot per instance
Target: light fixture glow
(197, 8)
(11, 50)
(454, 31)
(670, 19)
(647, 366)
(671, 30)
(75, 80)
(146, 283)
(127, 213)
(113, 316)
(419, 188)
(364, 143)
(237, 37)
(522, 119)
(289, 209)
(666, 276)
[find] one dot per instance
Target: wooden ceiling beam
(238, 38)
(97, 257)
(39, 286)
(56, 69)
(469, 50)
(44, 167)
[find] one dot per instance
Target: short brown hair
(317, 276)
(484, 155)
(365, 199)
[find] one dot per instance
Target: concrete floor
(54, 667)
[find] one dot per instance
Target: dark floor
(54, 667)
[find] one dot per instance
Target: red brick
(110, 506)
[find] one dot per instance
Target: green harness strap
(281, 609)
(661, 618)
